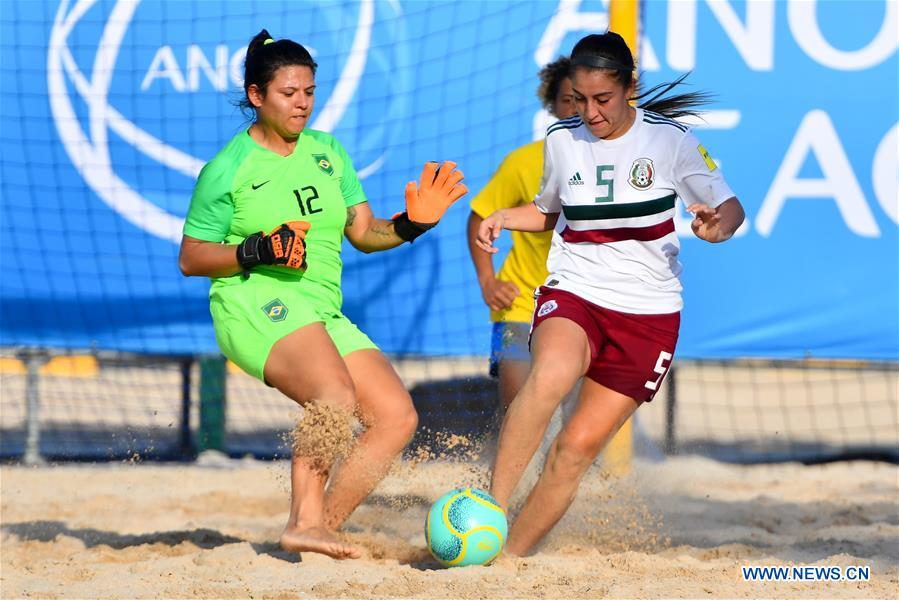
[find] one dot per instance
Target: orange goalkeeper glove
(440, 187)
(285, 245)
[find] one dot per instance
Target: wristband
(409, 230)
(249, 253)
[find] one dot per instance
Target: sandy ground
(678, 528)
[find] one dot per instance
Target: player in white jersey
(609, 311)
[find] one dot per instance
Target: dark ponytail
(264, 57)
(676, 106)
(609, 51)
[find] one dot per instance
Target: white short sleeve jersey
(615, 244)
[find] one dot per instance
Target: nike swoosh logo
(256, 187)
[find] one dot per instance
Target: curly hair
(551, 77)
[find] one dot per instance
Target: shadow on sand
(48, 531)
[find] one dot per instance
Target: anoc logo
(142, 95)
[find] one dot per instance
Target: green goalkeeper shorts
(251, 316)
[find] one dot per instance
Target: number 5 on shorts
(661, 369)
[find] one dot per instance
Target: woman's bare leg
(305, 366)
(386, 410)
(600, 413)
(512, 375)
(561, 354)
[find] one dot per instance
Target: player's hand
(489, 230)
(717, 224)
(499, 294)
(706, 222)
(439, 187)
(285, 245)
(288, 244)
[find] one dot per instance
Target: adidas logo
(576, 179)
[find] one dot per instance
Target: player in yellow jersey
(510, 293)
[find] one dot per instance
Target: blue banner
(111, 108)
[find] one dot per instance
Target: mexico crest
(641, 174)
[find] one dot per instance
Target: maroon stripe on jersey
(619, 234)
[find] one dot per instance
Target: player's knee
(408, 422)
(340, 393)
(400, 422)
(575, 451)
(547, 381)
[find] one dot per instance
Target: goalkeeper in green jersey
(266, 223)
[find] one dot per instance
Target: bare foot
(317, 539)
(507, 562)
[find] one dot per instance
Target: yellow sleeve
(504, 190)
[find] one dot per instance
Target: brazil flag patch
(708, 159)
(323, 163)
(275, 310)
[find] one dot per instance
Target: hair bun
(260, 39)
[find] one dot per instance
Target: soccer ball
(466, 527)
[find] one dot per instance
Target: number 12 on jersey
(308, 209)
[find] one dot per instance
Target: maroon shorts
(628, 353)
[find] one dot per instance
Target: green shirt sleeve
(350, 186)
(211, 206)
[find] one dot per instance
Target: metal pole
(670, 411)
(33, 362)
(213, 375)
(187, 446)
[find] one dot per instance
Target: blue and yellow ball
(466, 527)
